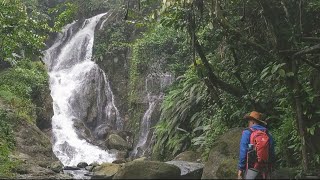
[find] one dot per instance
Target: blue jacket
(245, 140)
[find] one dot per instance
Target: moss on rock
(148, 170)
(223, 157)
(105, 170)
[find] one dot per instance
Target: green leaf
(282, 73)
(290, 74)
(292, 146)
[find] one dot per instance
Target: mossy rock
(56, 166)
(105, 170)
(227, 169)
(229, 142)
(148, 170)
(223, 157)
(189, 156)
(140, 159)
(114, 141)
(212, 165)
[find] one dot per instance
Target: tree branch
(224, 24)
(308, 50)
(236, 91)
(317, 39)
(315, 66)
(237, 73)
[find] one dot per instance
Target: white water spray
(75, 81)
(153, 81)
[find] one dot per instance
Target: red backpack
(260, 140)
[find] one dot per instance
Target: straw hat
(254, 115)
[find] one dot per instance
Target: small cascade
(154, 86)
(81, 94)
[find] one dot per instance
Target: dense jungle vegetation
(234, 57)
(229, 56)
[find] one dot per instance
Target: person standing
(256, 148)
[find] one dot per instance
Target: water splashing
(81, 92)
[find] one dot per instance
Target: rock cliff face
(34, 153)
(138, 100)
(33, 149)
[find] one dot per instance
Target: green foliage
(22, 33)
(114, 40)
(20, 84)
(180, 114)
(7, 144)
(248, 45)
(63, 14)
(89, 8)
(161, 45)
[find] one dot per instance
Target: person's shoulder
(246, 131)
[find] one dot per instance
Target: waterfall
(81, 92)
(154, 86)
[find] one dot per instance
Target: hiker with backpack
(256, 149)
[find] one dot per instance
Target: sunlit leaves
(64, 13)
(22, 34)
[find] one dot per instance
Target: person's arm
(245, 140)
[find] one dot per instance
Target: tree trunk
(299, 114)
(213, 78)
(273, 16)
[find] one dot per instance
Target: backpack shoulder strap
(250, 129)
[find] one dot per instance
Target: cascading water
(81, 93)
(154, 85)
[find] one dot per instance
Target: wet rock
(119, 154)
(119, 161)
(189, 170)
(122, 154)
(82, 165)
(190, 156)
(114, 141)
(105, 171)
(71, 168)
(129, 159)
(45, 113)
(33, 151)
(147, 170)
(89, 168)
(223, 157)
(82, 131)
(25, 171)
(128, 137)
(56, 166)
(102, 131)
(94, 164)
(140, 159)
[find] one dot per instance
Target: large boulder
(190, 156)
(114, 141)
(105, 170)
(189, 170)
(148, 170)
(223, 157)
(34, 153)
(82, 164)
(120, 154)
(56, 166)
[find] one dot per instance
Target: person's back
(250, 136)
